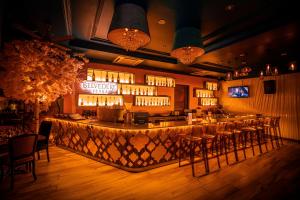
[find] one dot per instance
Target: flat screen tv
(238, 91)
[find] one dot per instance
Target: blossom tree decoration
(38, 71)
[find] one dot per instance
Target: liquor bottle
(106, 77)
(147, 91)
(81, 103)
(118, 78)
(121, 91)
(147, 80)
(97, 102)
(112, 78)
(132, 79)
(129, 90)
(129, 78)
(139, 92)
(105, 101)
(93, 76)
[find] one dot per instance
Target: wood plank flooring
(274, 175)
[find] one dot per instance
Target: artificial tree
(38, 72)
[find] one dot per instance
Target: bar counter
(134, 148)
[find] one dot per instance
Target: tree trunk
(37, 115)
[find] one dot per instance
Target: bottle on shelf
(93, 76)
(118, 78)
(129, 78)
(81, 103)
(112, 78)
(97, 102)
(106, 78)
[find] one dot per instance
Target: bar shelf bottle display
(160, 81)
(211, 86)
(152, 101)
(110, 76)
(129, 89)
(99, 100)
(203, 93)
(208, 101)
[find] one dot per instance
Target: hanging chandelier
(129, 27)
(188, 44)
(187, 55)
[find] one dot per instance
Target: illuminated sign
(98, 87)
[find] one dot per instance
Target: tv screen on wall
(238, 92)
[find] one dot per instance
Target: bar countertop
(131, 126)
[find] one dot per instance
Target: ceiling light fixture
(129, 27)
(188, 43)
(161, 22)
(292, 67)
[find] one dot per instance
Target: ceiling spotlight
(230, 7)
(161, 22)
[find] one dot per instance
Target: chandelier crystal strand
(129, 39)
(187, 55)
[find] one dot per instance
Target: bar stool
(272, 129)
(211, 144)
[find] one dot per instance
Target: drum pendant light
(188, 43)
(129, 27)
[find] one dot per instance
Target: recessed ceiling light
(230, 7)
(161, 21)
(283, 54)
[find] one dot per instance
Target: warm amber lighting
(209, 101)
(99, 100)
(204, 93)
(275, 71)
(110, 76)
(152, 101)
(261, 75)
(268, 70)
(160, 81)
(129, 39)
(228, 76)
(187, 55)
(292, 67)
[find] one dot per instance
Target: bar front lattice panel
(128, 149)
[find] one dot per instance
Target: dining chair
(43, 138)
(21, 152)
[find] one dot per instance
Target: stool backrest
(22, 146)
(45, 128)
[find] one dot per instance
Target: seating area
(18, 149)
(213, 141)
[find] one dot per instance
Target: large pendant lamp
(188, 43)
(129, 27)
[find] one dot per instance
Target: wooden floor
(275, 175)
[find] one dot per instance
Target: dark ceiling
(255, 32)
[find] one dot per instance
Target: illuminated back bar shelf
(208, 101)
(211, 85)
(130, 89)
(203, 93)
(160, 81)
(100, 100)
(152, 101)
(110, 76)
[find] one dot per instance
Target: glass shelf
(134, 89)
(99, 100)
(160, 81)
(110, 76)
(211, 85)
(203, 93)
(207, 101)
(152, 101)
